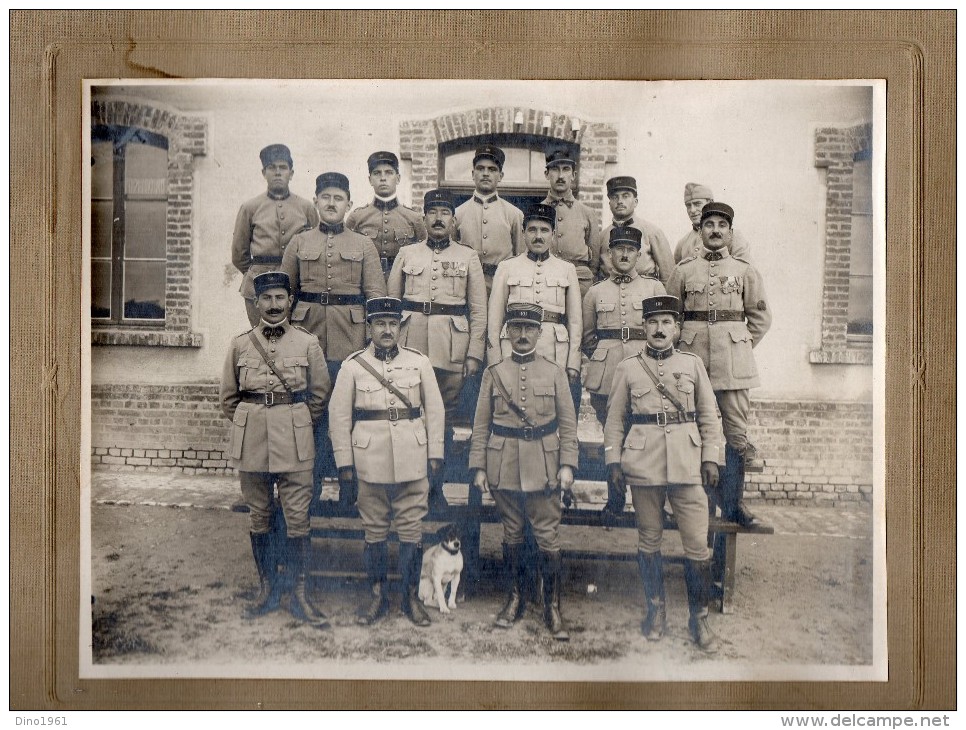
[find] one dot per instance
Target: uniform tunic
(575, 237)
(551, 283)
(449, 275)
(389, 226)
(692, 245)
(610, 305)
(334, 260)
(263, 227)
(655, 250)
(493, 228)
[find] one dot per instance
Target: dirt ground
(170, 587)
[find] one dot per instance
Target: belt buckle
(712, 316)
(385, 263)
(393, 414)
(528, 433)
(625, 334)
(427, 308)
(270, 398)
(323, 297)
(662, 418)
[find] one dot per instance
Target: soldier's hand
(435, 468)
(616, 494)
(565, 477)
(573, 376)
(709, 474)
(471, 366)
(479, 480)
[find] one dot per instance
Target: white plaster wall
(752, 142)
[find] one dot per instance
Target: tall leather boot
(410, 564)
(732, 487)
(515, 603)
(697, 577)
(551, 569)
(375, 556)
(651, 566)
(269, 590)
(299, 605)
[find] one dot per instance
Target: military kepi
(560, 156)
(490, 152)
(664, 304)
(383, 158)
(275, 152)
(621, 183)
(541, 212)
(524, 312)
(383, 307)
(626, 235)
(722, 209)
(697, 191)
(435, 198)
(272, 280)
(331, 180)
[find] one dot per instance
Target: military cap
(722, 209)
(621, 183)
(438, 198)
(272, 280)
(524, 312)
(560, 156)
(383, 307)
(274, 152)
(383, 158)
(625, 234)
(541, 212)
(664, 304)
(697, 190)
(490, 152)
(331, 180)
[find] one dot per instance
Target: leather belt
(490, 269)
(624, 334)
(527, 433)
(326, 298)
(715, 315)
(266, 259)
(554, 317)
(390, 414)
(661, 419)
(274, 399)
(434, 308)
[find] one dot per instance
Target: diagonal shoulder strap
(385, 383)
(509, 401)
(268, 361)
(660, 386)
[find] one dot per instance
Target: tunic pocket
(238, 423)
(459, 341)
(594, 377)
(249, 375)
(304, 439)
(352, 265)
(294, 369)
(742, 359)
(544, 395)
(494, 458)
(639, 399)
(520, 288)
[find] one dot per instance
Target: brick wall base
(816, 453)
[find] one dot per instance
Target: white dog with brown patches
(442, 565)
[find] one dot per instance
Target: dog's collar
(446, 548)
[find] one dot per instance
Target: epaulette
(410, 349)
(692, 257)
(352, 355)
(300, 327)
(245, 333)
(552, 362)
(685, 352)
(651, 275)
(633, 357)
(738, 258)
(306, 227)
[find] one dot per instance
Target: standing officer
(725, 316)
(576, 228)
(486, 222)
(265, 224)
(539, 277)
(444, 299)
(655, 258)
(389, 224)
(524, 451)
(696, 196)
(333, 272)
(612, 315)
(273, 386)
(663, 438)
(387, 421)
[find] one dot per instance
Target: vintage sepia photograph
(483, 380)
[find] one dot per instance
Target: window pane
(860, 305)
(861, 248)
(102, 228)
(538, 166)
(862, 187)
(144, 289)
(458, 166)
(101, 289)
(102, 171)
(144, 229)
(145, 170)
(516, 168)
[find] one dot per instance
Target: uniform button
(666, 430)
(283, 230)
(483, 252)
(329, 254)
(329, 265)
(523, 387)
(484, 235)
(435, 277)
(486, 207)
(560, 218)
(523, 377)
(523, 367)
(484, 220)
(624, 313)
(392, 401)
(523, 397)
(385, 230)
(282, 216)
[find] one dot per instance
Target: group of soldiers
(374, 331)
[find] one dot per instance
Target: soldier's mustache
(439, 225)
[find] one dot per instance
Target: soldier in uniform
(663, 439)
(486, 222)
(389, 224)
(273, 386)
(696, 196)
(444, 303)
(613, 317)
(725, 316)
(576, 229)
(265, 224)
(655, 259)
(524, 451)
(386, 420)
(333, 272)
(539, 277)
